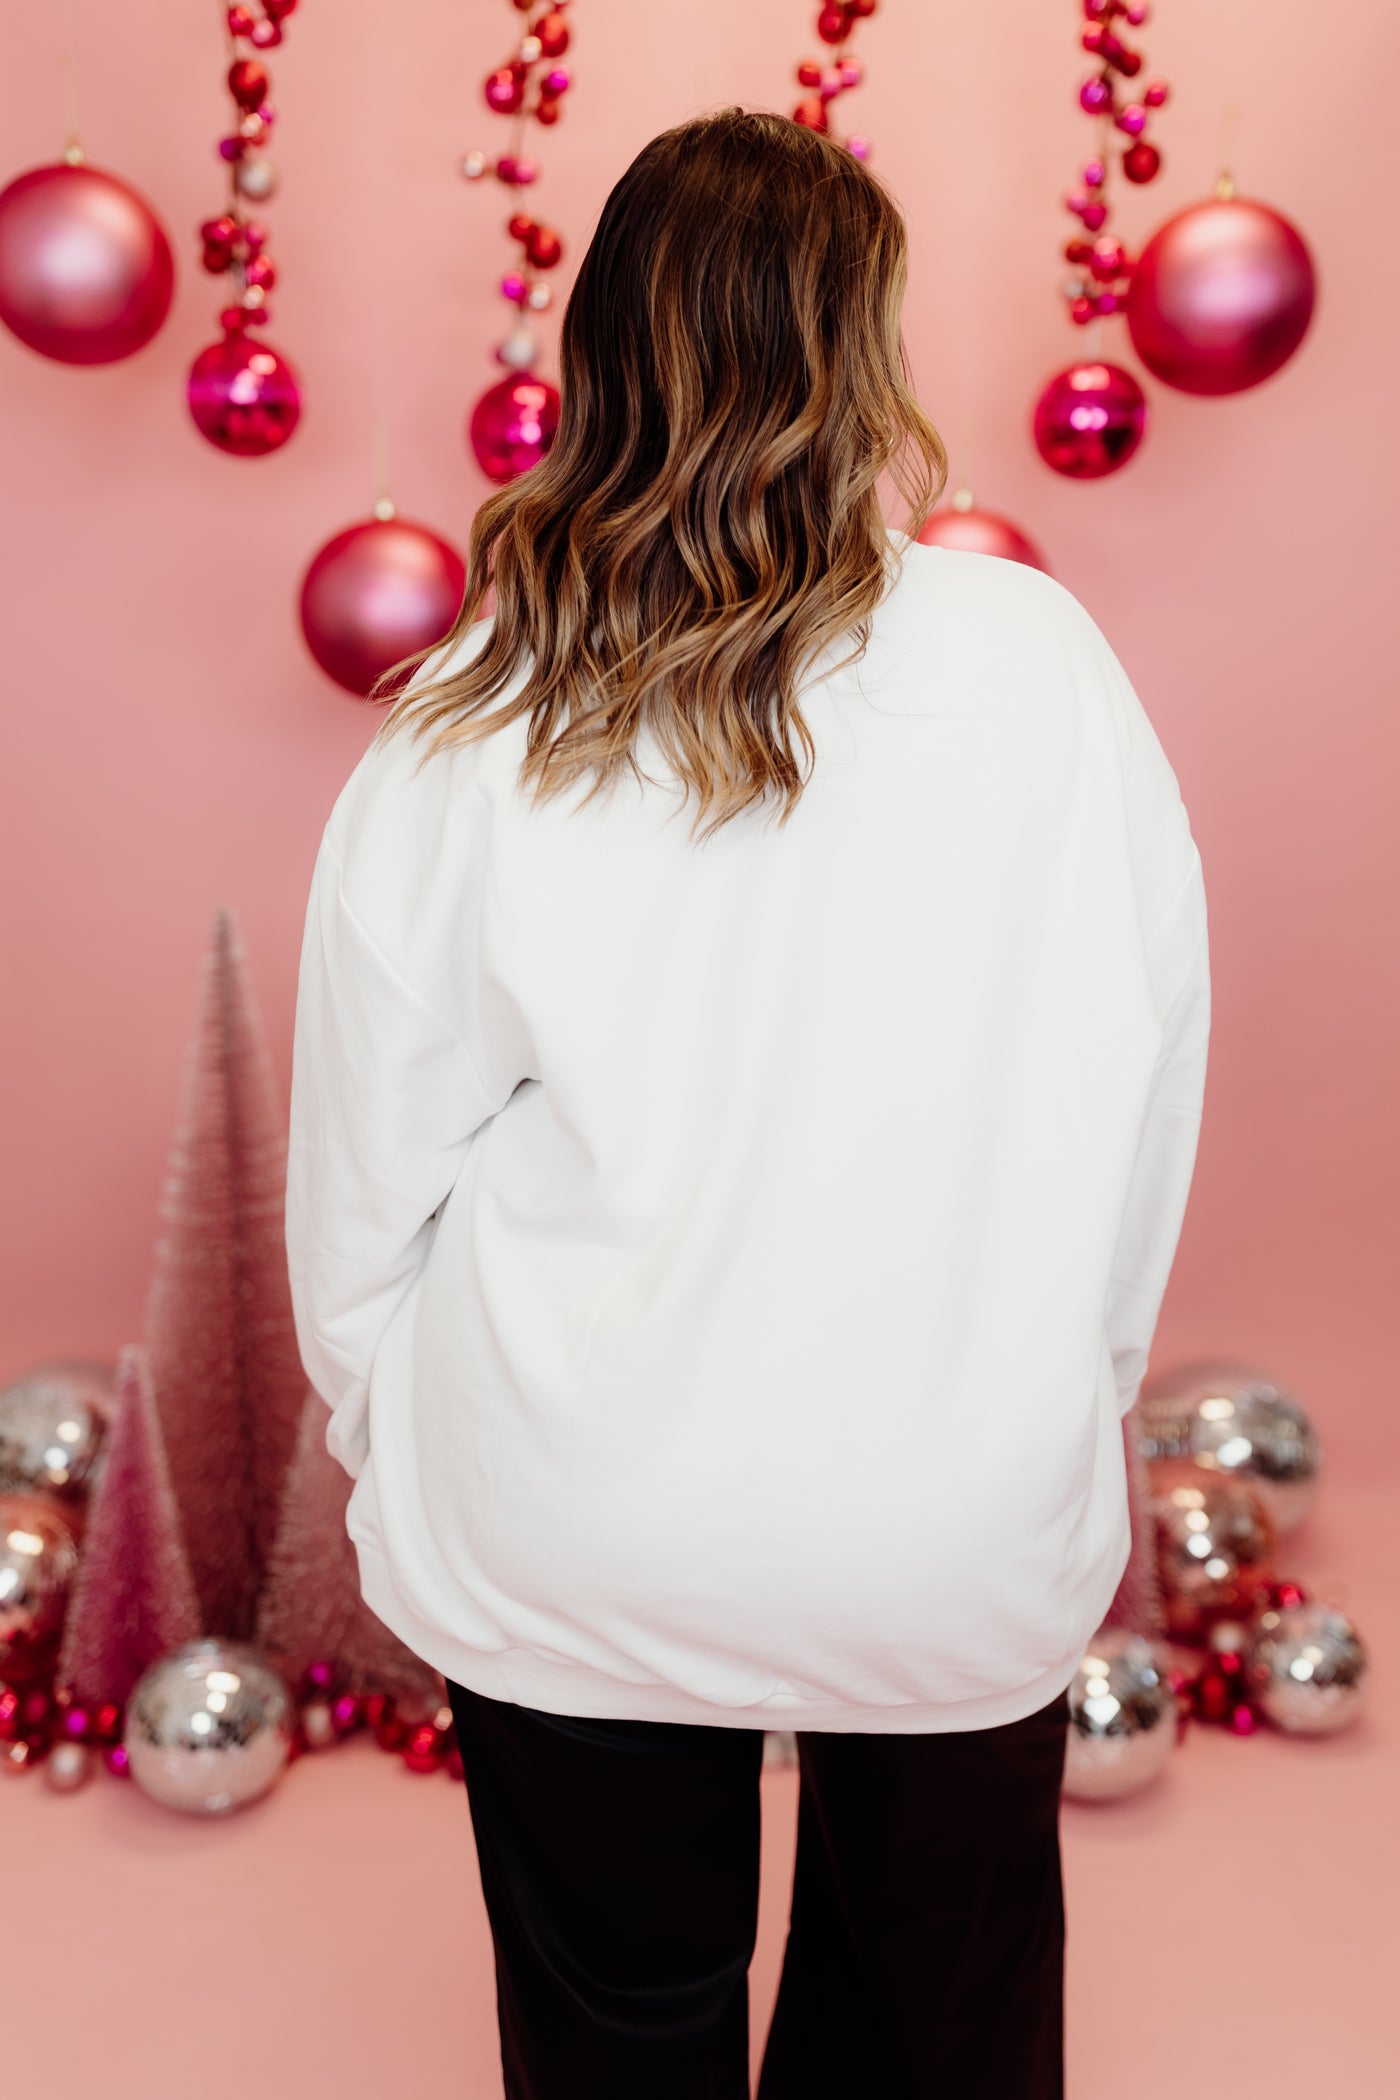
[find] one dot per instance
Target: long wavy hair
(708, 520)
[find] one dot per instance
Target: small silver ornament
(1306, 1666)
(519, 350)
(1122, 1718)
(254, 178)
(68, 1766)
(538, 297)
(1234, 1420)
(474, 165)
(52, 1423)
(38, 1559)
(318, 1725)
(209, 1728)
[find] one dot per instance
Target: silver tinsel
(1122, 1718)
(209, 1728)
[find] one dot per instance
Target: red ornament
(977, 531)
(86, 273)
(543, 247)
(376, 593)
(504, 91)
(248, 82)
(832, 25)
(243, 396)
(1142, 162)
(1089, 421)
(513, 425)
(811, 114)
(1222, 297)
(553, 33)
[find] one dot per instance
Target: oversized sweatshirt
(727, 1265)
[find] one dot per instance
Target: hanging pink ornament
(513, 426)
(1222, 296)
(376, 593)
(504, 91)
(1089, 421)
(86, 273)
(968, 528)
(1096, 95)
(243, 396)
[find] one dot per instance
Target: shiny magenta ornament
(243, 396)
(966, 527)
(513, 425)
(1089, 421)
(376, 593)
(86, 273)
(1222, 296)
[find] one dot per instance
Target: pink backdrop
(170, 747)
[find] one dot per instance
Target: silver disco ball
(52, 1422)
(38, 1560)
(1306, 1666)
(209, 1728)
(1122, 1717)
(1234, 1420)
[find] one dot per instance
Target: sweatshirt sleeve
(1166, 1154)
(1172, 912)
(385, 1100)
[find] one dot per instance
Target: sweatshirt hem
(520, 1677)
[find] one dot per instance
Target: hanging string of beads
(825, 79)
(1103, 262)
(513, 424)
(1091, 418)
(243, 396)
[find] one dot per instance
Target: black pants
(619, 1863)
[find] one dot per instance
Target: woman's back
(802, 1197)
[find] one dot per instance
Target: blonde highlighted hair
(708, 520)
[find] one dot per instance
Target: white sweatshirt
(727, 1266)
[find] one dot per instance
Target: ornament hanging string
(1098, 254)
(513, 424)
(824, 81)
(243, 396)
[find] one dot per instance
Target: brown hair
(707, 522)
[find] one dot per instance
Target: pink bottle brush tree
(311, 1610)
(134, 1599)
(220, 1338)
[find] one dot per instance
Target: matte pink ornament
(375, 594)
(976, 531)
(1222, 297)
(86, 272)
(1089, 421)
(311, 1610)
(134, 1599)
(244, 398)
(513, 426)
(220, 1338)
